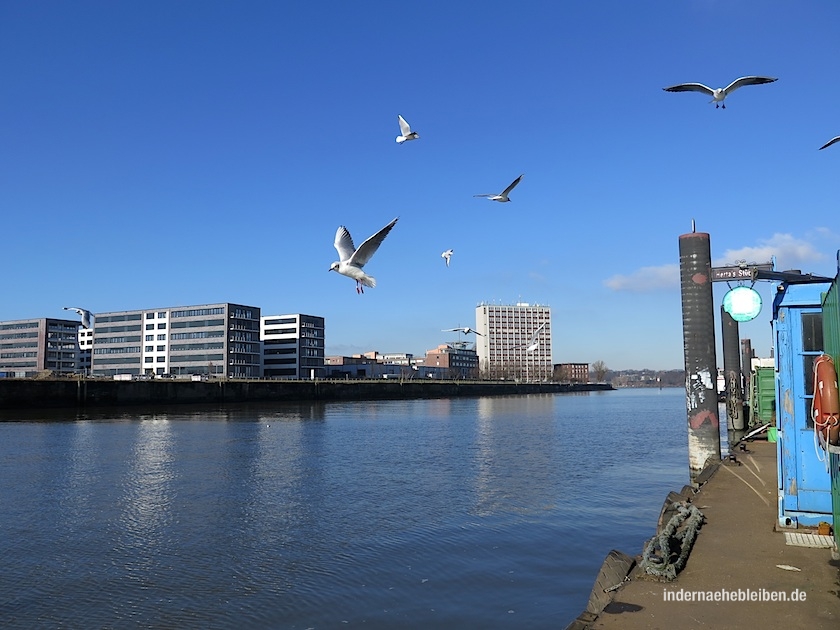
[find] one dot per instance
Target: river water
(450, 513)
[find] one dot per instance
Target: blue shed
(803, 478)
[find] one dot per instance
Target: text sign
(723, 274)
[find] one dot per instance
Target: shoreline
(88, 393)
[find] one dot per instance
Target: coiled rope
(658, 558)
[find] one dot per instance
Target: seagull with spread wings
(84, 314)
(503, 196)
(405, 131)
(719, 94)
(351, 260)
(447, 255)
(464, 329)
(830, 142)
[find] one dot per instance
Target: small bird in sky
(534, 343)
(351, 260)
(407, 133)
(84, 314)
(465, 329)
(447, 255)
(503, 196)
(830, 142)
(719, 94)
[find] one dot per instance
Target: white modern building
(514, 341)
(209, 339)
(292, 346)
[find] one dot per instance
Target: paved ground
(737, 548)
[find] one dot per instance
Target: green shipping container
(762, 396)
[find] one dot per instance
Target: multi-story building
(514, 341)
(292, 346)
(31, 346)
(455, 360)
(209, 339)
(571, 372)
(85, 349)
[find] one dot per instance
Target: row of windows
(161, 326)
(17, 355)
(204, 334)
(114, 360)
(201, 323)
(280, 331)
(152, 359)
(19, 325)
(198, 312)
(115, 329)
(196, 358)
(22, 344)
(122, 350)
(152, 348)
(160, 315)
(161, 337)
(218, 345)
(128, 339)
(19, 335)
(282, 320)
(117, 318)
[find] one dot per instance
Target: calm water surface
(453, 513)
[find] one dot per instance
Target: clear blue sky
(138, 140)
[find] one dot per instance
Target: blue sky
(138, 140)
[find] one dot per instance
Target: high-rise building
(514, 341)
(208, 339)
(292, 346)
(31, 346)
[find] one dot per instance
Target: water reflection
(517, 455)
(147, 487)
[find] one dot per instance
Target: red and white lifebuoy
(825, 408)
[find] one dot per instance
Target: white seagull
(720, 93)
(351, 260)
(503, 196)
(534, 343)
(830, 142)
(407, 133)
(465, 329)
(85, 315)
(447, 255)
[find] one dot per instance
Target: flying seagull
(830, 142)
(351, 260)
(407, 133)
(447, 255)
(503, 196)
(719, 94)
(465, 329)
(84, 314)
(534, 343)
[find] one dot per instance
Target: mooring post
(699, 347)
(732, 371)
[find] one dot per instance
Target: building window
(162, 337)
(150, 315)
(161, 315)
(148, 348)
(150, 337)
(148, 360)
(161, 348)
(161, 326)
(161, 359)
(150, 326)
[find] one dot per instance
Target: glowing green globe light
(742, 303)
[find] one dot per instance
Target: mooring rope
(658, 558)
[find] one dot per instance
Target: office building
(571, 372)
(292, 346)
(210, 339)
(455, 360)
(29, 347)
(514, 341)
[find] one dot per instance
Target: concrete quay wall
(33, 394)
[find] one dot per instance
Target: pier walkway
(738, 547)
